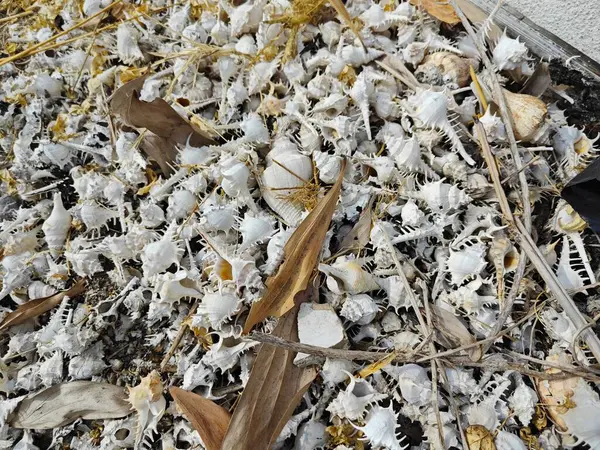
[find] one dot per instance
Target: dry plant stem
(583, 372)
(27, 51)
(182, 330)
(509, 301)
(554, 286)
(504, 112)
(404, 79)
(494, 172)
(453, 405)
(16, 16)
(356, 355)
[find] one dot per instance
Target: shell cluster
(286, 96)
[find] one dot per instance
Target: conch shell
(287, 170)
(528, 115)
(56, 227)
(444, 69)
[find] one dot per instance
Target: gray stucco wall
(575, 21)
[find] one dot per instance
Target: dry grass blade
(439, 9)
(66, 402)
(452, 331)
(168, 128)
(208, 419)
(34, 308)
(301, 255)
(345, 15)
(274, 389)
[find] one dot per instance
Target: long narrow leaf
(301, 255)
(34, 308)
(274, 389)
(208, 419)
(345, 15)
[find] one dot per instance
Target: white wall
(575, 21)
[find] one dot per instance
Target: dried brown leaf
(34, 308)
(166, 126)
(360, 233)
(301, 254)
(452, 332)
(479, 438)
(62, 404)
(208, 419)
(274, 389)
(440, 9)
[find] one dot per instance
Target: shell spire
(57, 225)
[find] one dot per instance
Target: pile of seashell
(286, 95)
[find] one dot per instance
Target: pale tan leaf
(440, 9)
(479, 438)
(208, 419)
(34, 308)
(301, 254)
(167, 128)
(274, 389)
(62, 404)
(452, 332)
(360, 233)
(377, 365)
(345, 15)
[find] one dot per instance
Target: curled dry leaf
(34, 308)
(556, 395)
(452, 332)
(166, 126)
(440, 9)
(301, 254)
(66, 402)
(274, 389)
(208, 419)
(479, 438)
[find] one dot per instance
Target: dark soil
(585, 112)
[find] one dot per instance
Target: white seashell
(223, 357)
(151, 214)
(309, 141)
(404, 341)
(286, 169)
(39, 289)
(467, 298)
(56, 226)
(441, 197)
(328, 166)
(95, 216)
(483, 414)
(414, 52)
(333, 105)
(254, 231)
(510, 54)
(523, 402)
(219, 218)
(158, 256)
(569, 277)
(413, 382)
(407, 155)
(353, 401)
(247, 276)
(335, 371)
(195, 156)
(170, 289)
(411, 214)
(57, 154)
(360, 309)
(466, 263)
(357, 56)
(127, 44)
(505, 259)
(181, 205)
(218, 307)
(431, 109)
(260, 74)
(318, 324)
(330, 32)
(346, 276)
(275, 251)
(147, 400)
(493, 126)
(508, 441)
(118, 433)
(380, 429)
(362, 91)
(51, 370)
(311, 436)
